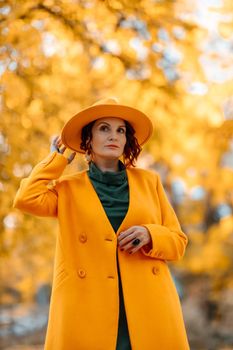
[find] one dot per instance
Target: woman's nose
(113, 136)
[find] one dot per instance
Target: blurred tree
(160, 56)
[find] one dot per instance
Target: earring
(88, 156)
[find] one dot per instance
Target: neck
(106, 164)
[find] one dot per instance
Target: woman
(112, 288)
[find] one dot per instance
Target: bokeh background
(173, 59)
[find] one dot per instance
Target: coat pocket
(60, 276)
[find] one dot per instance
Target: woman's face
(108, 138)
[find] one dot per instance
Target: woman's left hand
(56, 146)
(126, 239)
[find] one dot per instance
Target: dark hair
(132, 148)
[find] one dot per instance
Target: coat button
(82, 237)
(81, 273)
(155, 270)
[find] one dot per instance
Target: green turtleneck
(113, 192)
(112, 189)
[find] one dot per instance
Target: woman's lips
(112, 146)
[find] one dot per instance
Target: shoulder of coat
(72, 177)
(146, 173)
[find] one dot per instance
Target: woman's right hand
(56, 145)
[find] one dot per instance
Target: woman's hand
(56, 145)
(126, 239)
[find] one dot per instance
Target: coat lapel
(96, 205)
(129, 219)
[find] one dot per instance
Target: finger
(53, 146)
(130, 246)
(127, 239)
(132, 251)
(71, 157)
(54, 139)
(125, 233)
(62, 150)
(59, 141)
(145, 240)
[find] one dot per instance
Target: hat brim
(71, 132)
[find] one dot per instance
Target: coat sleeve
(34, 195)
(168, 240)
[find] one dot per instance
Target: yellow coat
(84, 305)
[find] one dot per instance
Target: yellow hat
(109, 107)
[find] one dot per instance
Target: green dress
(113, 192)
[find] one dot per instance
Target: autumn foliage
(159, 56)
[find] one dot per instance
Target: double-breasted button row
(83, 238)
(82, 274)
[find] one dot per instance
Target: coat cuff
(166, 244)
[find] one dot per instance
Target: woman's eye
(121, 130)
(104, 128)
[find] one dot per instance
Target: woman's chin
(112, 155)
